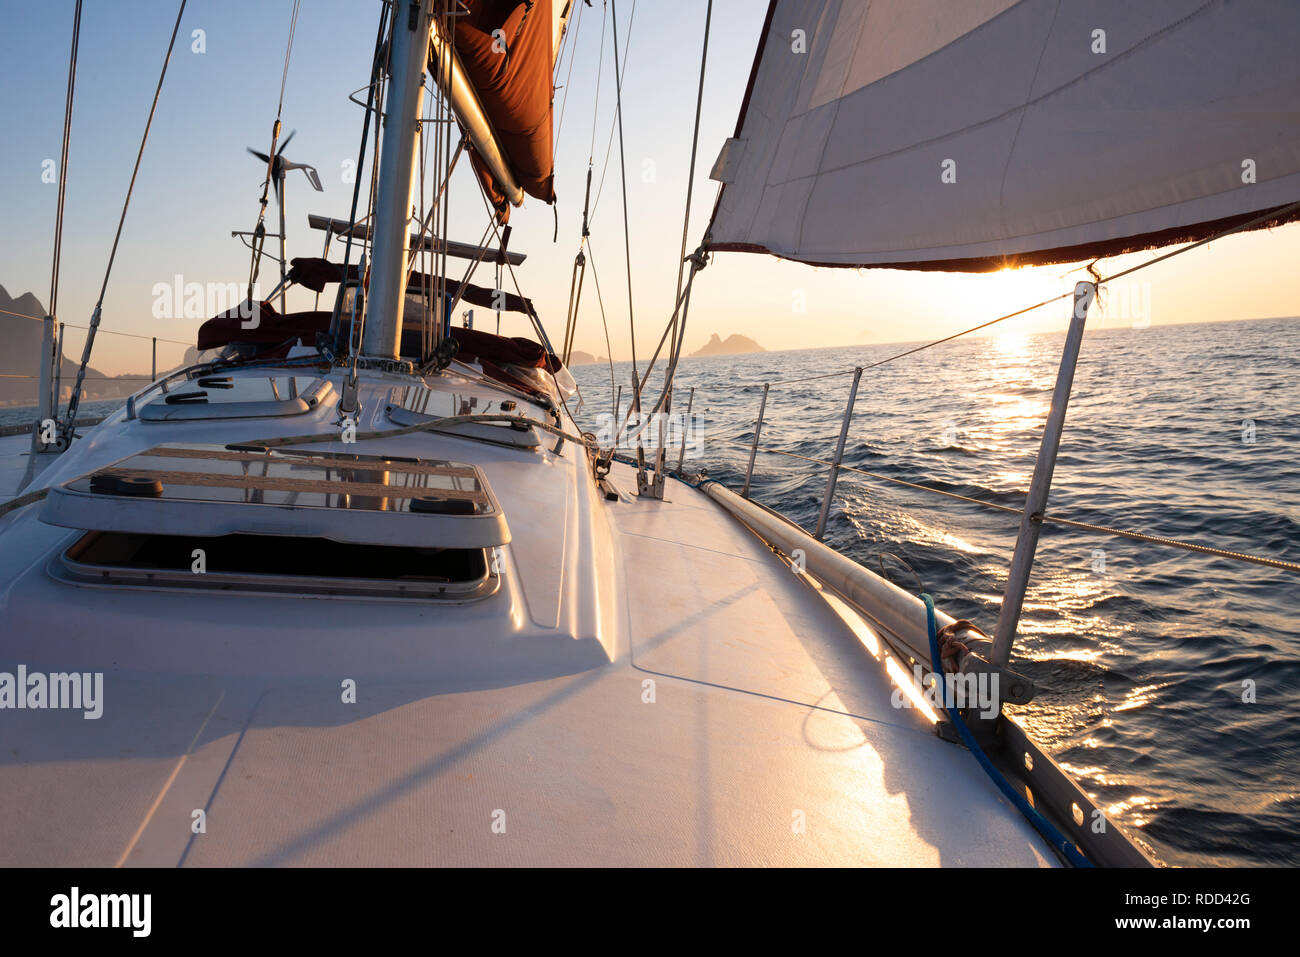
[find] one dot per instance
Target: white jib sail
(969, 134)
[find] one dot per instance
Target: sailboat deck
(13, 462)
(650, 685)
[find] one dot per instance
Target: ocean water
(90, 409)
(1169, 681)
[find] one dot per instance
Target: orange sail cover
(507, 50)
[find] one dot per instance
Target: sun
(1010, 290)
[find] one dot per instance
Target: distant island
(22, 352)
(732, 345)
(579, 358)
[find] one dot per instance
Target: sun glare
(1010, 290)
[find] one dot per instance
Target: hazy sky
(197, 184)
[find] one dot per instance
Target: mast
(403, 107)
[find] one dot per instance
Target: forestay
(931, 134)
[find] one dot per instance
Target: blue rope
(1063, 845)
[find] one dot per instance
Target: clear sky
(197, 184)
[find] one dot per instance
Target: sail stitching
(830, 127)
(1020, 122)
(1001, 116)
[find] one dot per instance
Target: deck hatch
(212, 491)
(277, 564)
(240, 397)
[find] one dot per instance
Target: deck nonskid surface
(13, 463)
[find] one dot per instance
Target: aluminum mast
(403, 108)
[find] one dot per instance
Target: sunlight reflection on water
(1140, 652)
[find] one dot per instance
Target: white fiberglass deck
(650, 686)
(13, 463)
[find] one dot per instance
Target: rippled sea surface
(1169, 680)
(91, 409)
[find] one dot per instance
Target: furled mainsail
(507, 48)
(975, 134)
